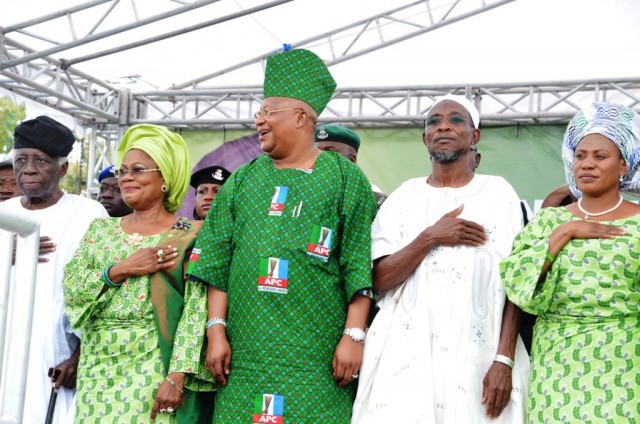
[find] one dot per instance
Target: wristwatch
(356, 334)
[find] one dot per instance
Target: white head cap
(465, 103)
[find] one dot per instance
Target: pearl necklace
(588, 214)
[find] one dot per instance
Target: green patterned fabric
(284, 343)
(586, 341)
(121, 364)
(299, 74)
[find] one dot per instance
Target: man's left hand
(347, 360)
(496, 392)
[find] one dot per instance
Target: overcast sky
(526, 40)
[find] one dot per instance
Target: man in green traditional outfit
(286, 250)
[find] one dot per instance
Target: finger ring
(170, 411)
(160, 254)
(163, 411)
(160, 261)
(355, 375)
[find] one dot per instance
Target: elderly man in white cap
(444, 347)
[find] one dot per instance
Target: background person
(576, 268)
(109, 194)
(295, 310)
(560, 196)
(40, 162)
(8, 185)
(142, 325)
(207, 182)
(444, 347)
(342, 140)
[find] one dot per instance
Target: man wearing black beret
(207, 183)
(40, 162)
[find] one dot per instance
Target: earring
(621, 178)
(164, 188)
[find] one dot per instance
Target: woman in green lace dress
(576, 267)
(142, 325)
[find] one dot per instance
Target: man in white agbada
(444, 348)
(41, 147)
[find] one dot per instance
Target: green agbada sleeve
(520, 270)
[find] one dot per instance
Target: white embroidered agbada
(52, 340)
(437, 334)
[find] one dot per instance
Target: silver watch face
(355, 333)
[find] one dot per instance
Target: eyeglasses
(134, 172)
(266, 113)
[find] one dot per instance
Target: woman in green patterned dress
(576, 267)
(142, 325)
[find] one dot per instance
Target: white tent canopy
(199, 63)
(110, 64)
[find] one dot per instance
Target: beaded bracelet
(216, 320)
(550, 257)
(105, 277)
(173, 384)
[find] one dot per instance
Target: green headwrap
(169, 151)
(299, 74)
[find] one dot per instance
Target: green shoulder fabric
(167, 297)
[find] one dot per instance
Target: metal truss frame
(499, 104)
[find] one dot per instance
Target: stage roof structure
(48, 59)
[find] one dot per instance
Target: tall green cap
(299, 74)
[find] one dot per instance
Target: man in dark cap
(41, 148)
(286, 252)
(8, 186)
(339, 139)
(109, 194)
(336, 138)
(207, 182)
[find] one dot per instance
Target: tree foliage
(10, 115)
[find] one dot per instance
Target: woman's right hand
(218, 354)
(590, 230)
(144, 261)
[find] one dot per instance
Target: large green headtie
(169, 151)
(299, 74)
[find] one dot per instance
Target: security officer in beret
(109, 194)
(8, 186)
(339, 139)
(41, 149)
(335, 138)
(207, 183)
